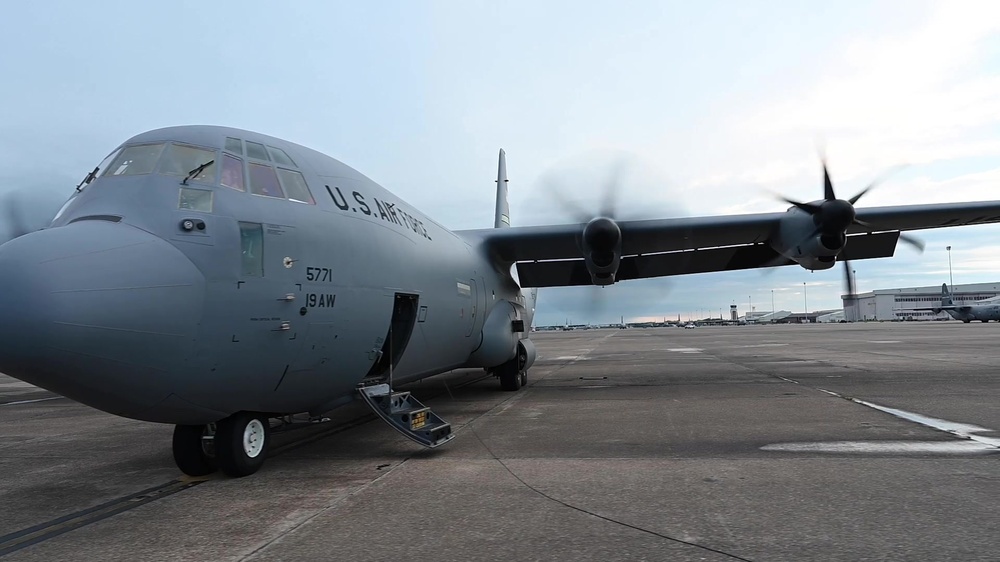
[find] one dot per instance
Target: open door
(404, 316)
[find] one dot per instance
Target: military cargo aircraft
(982, 310)
(216, 278)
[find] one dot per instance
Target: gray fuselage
(183, 302)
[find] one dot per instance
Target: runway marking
(763, 345)
(686, 350)
(19, 402)
(953, 447)
(971, 441)
(884, 341)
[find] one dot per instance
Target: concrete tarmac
(729, 443)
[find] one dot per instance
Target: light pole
(772, 305)
(750, 298)
(950, 280)
(805, 300)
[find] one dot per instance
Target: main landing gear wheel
(241, 443)
(194, 454)
(510, 379)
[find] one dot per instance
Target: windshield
(181, 160)
(135, 160)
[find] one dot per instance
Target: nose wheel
(194, 449)
(237, 445)
(241, 443)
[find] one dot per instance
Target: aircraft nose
(99, 312)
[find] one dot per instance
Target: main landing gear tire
(241, 443)
(510, 379)
(966, 321)
(193, 454)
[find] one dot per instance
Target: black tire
(189, 452)
(966, 321)
(524, 378)
(241, 443)
(510, 378)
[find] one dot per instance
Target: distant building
(898, 304)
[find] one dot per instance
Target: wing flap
(564, 273)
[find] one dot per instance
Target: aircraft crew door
(268, 298)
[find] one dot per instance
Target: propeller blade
(15, 218)
(863, 224)
(885, 175)
(807, 207)
(569, 206)
(610, 196)
(917, 243)
(848, 278)
(827, 184)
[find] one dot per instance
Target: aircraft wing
(957, 308)
(549, 256)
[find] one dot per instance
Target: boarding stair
(406, 415)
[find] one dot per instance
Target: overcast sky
(706, 108)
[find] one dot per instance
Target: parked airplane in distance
(982, 310)
(216, 279)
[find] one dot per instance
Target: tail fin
(502, 219)
(945, 295)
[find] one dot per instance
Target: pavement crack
(598, 515)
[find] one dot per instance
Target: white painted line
(763, 345)
(970, 442)
(686, 350)
(884, 341)
(963, 430)
(30, 401)
(959, 447)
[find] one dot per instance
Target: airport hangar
(898, 304)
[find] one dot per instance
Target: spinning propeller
(834, 216)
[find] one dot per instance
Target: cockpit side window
(280, 156)
(234, 145)
(295, 186)
(232, 172)
(181, 160)
(256, 150)
(263, 181)
(135, 160)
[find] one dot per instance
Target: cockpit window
(232, 172)
(295, 186)
(256, 150)
(263, 181)
(135, 160)
(234, 145)
(280, 157)
(182, 159)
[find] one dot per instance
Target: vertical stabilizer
(502, 219)
(945, 295)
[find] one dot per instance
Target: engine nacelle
(602, 249)
(800, 240)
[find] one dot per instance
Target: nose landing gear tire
(241, 443)
(194, 454)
